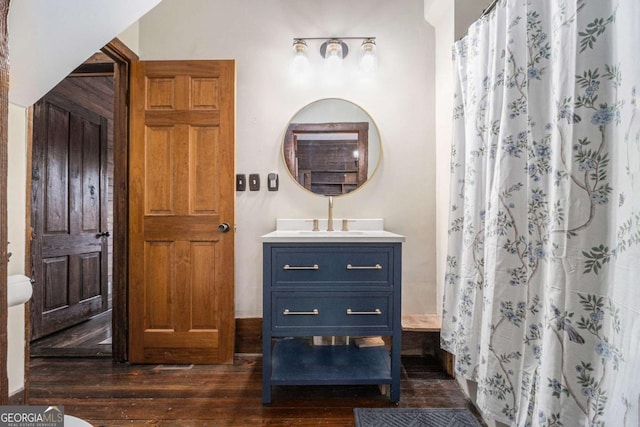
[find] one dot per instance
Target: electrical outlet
(254, 182)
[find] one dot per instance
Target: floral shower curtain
(542, 290)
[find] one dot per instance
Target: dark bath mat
(408, 417)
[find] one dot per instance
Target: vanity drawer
(353, 265)
(337, 310)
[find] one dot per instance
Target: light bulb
(333, 57)
(368, 60)
(299, 61)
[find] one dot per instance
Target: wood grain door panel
(69, 211)
(181, 189)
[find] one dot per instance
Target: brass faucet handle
(316, 224)
(345, 224)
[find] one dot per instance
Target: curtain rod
(489, 8)
(486, 10)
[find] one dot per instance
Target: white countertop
(360, 231)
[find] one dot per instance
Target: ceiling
(49, 39)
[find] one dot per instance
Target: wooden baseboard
(249, 335)
(424, 333)
(17, 398)
(447, 359)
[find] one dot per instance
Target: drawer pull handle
(364, 267)
(377, 311)
(290, 267)
(314, 312)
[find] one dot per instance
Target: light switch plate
(272, 181)
(254, 182)
(241, 182)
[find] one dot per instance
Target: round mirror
(331, 147)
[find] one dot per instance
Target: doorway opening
(99, 87)
(72, 213)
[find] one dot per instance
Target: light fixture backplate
(323, 47)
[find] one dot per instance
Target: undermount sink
(360, 231)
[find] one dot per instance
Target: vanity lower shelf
(296, 361)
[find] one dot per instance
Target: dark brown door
(69, 215)
(181, 287)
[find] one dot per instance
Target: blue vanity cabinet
(330, 289)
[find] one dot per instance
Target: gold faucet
(330, 218)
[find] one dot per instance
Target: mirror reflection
(331, 147)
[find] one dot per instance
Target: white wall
(442, 16)
(48, 39)
(16, 187)
(258, 35)
(467, 12)
(131, 37)
(451, 20)
(16, 201)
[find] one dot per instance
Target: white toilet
(71, 421)
(19, 292)
(19, 289)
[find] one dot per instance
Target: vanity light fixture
(335, 49)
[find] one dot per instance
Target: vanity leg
(395, 367)
(266, 394)
(266, 368)
(266, 382)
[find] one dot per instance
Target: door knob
(224, 227)
(103, 234)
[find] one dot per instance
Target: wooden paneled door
(69, 215)
(181, 212)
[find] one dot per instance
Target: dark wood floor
(91, 338)
(111, 394)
